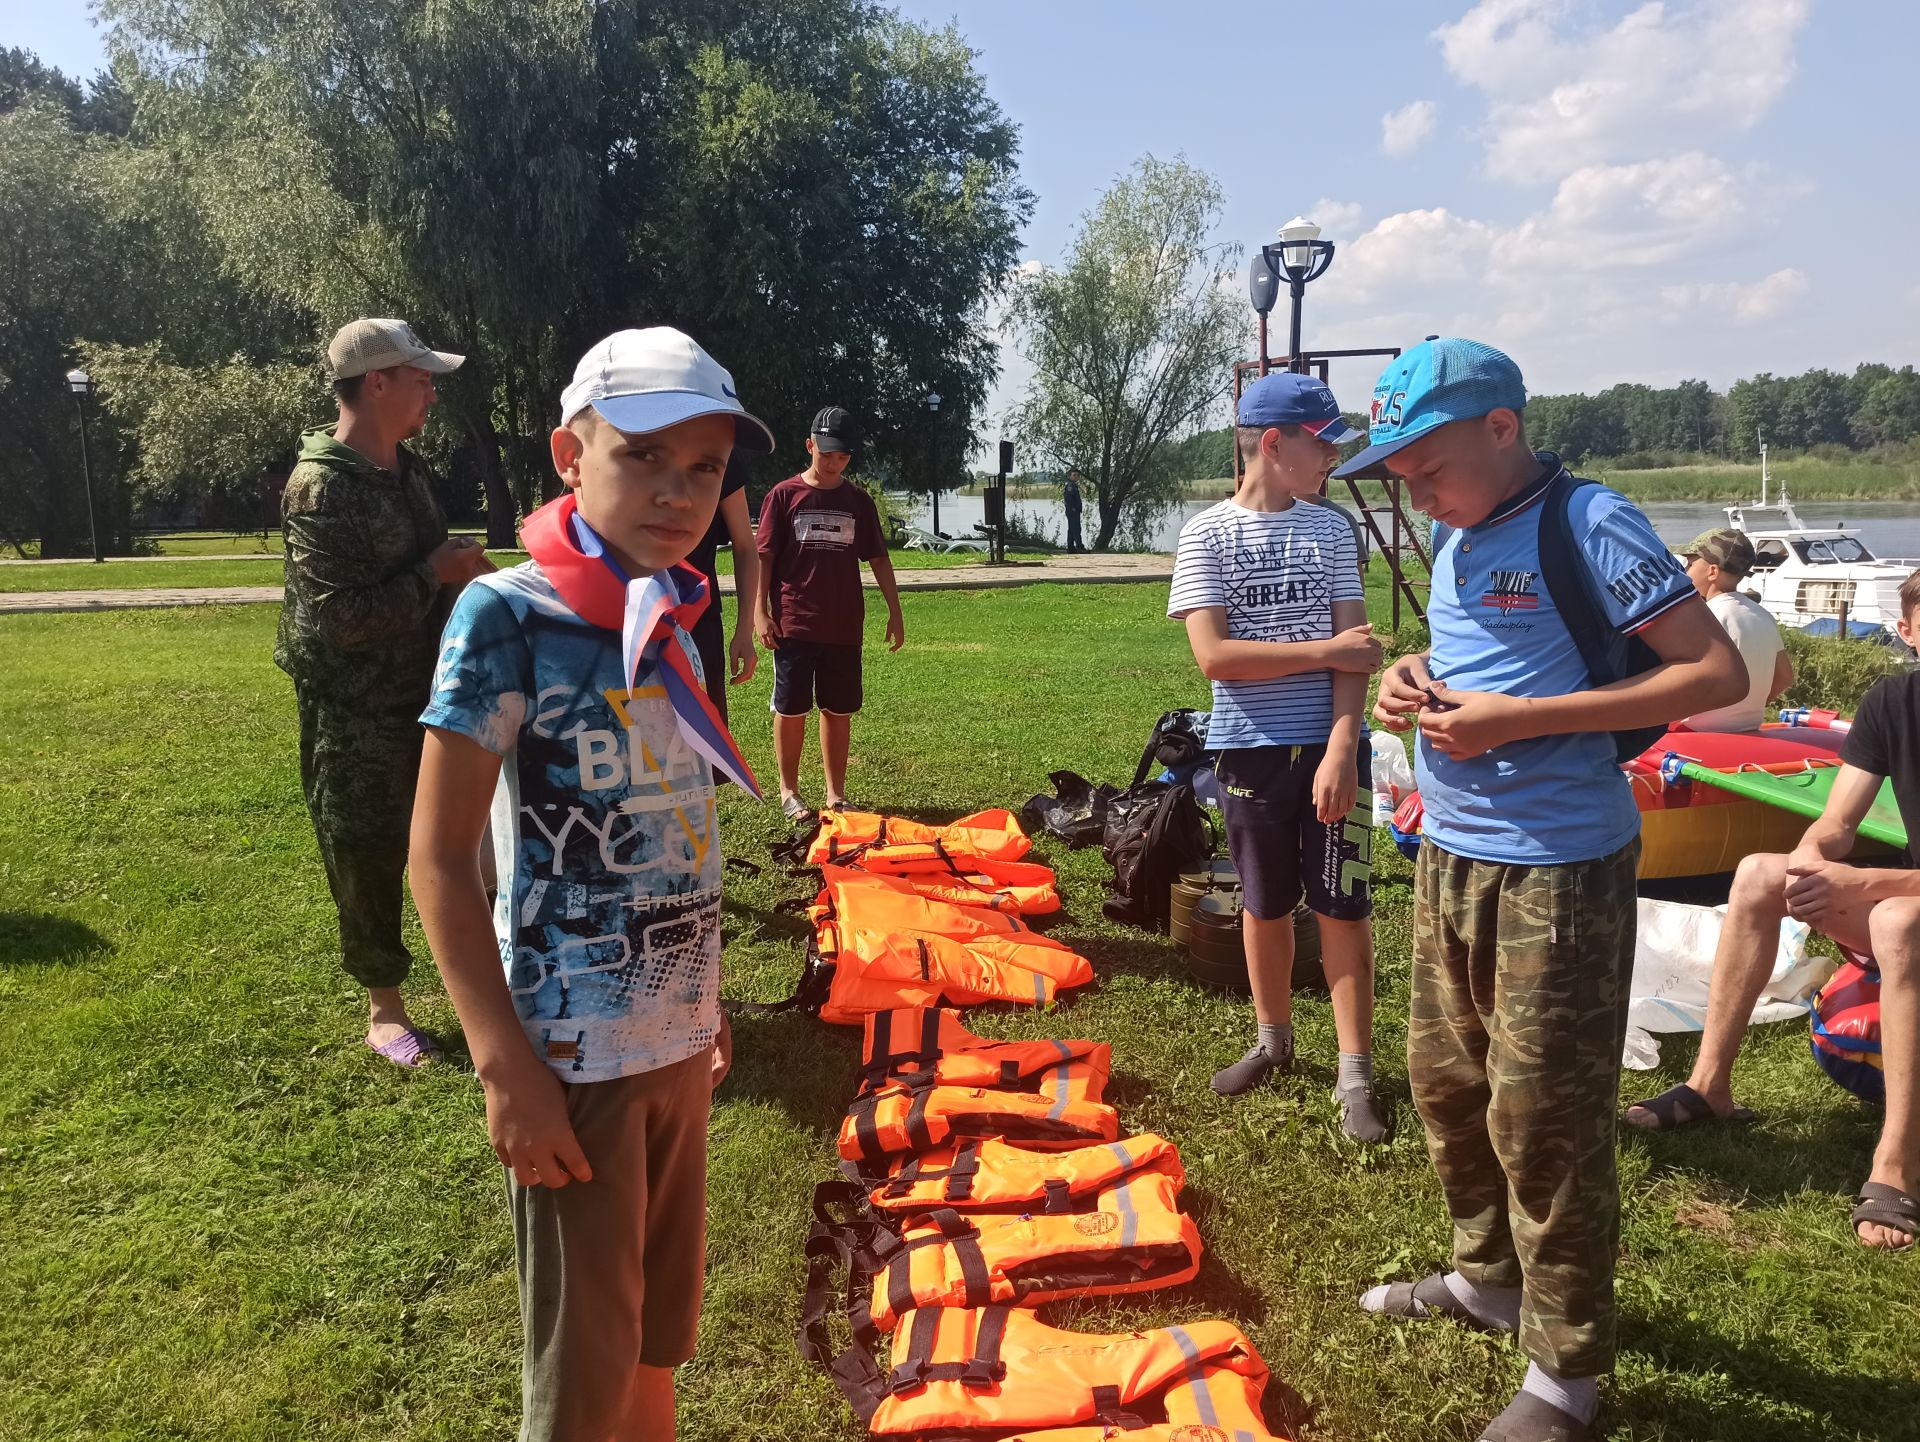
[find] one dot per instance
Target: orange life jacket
(1134, 1238)
(914, 1041)
(991, 1371)
(987, 835)
(995, 1175)
(1214, 1406)
(889, 947)
(916, 1116)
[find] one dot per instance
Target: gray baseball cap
(360, 346)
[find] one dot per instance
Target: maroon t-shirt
(811, 542)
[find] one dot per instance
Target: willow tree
(1131, 341)
(820, 192)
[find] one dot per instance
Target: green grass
(224, 1219)
(1807, 478)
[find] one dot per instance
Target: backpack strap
(1575, 589)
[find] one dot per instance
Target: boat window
(1842, 549)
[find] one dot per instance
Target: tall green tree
(1131, 341)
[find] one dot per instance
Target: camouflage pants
(1520, 984)
(358, 770)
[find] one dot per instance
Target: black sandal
(1432, 1297)
(1887, 1206)
(1528, 1418)
(1682, 1106)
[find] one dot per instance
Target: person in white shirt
(1717, 562)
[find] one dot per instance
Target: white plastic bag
(1392, 776)
(1673, 963)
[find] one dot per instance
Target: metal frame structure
(1400, 534)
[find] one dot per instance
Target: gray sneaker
(1250, 1071)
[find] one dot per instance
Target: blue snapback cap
(1432, 385)
(1285, 398)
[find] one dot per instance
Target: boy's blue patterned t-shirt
(604, 831)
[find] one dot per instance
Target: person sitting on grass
(1524, 892)
(569, 695)
(1270, 592)
(815, 530)
(1873, 911)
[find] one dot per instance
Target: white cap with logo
(360, 346)
(642, 381)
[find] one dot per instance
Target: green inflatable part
(1805, 793)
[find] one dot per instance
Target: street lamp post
(1301, 255)
(933, 452)
(81, 384)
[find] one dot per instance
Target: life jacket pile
(982, 1178)
(880, 943)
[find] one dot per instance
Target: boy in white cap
(569, 693)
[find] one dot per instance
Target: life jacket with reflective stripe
(1134, 1238)
(1217, 1406)
(991, 1174)
(989, 1371)
(986, 835)
(913, 1041)
(917, 1115)
(875, 971)
(861, 901)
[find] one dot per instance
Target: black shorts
(815, 673)
(710, 640)
(1280, 847)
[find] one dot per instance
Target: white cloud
(1405, 130)
(1559, 101)
(1608, 216)
(1338, 219)
(1763, 299)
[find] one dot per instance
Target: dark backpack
(1179, 740)
(1154, 832)
(1575, 589)
(1076, 813)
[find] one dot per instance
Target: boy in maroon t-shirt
(815, 530)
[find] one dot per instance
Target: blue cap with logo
(1288, 399)
(1435, 383)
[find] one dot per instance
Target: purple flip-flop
(413, 1049)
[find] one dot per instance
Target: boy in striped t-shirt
(1269, 588)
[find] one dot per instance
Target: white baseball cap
(646, 380)
(360, 346)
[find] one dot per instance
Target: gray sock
(1578, 1397)
(1496, 1306)
(1276, 1038)
(1356, 1071)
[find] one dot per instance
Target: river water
(1887, 528)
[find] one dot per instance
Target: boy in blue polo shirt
(1269, 588)
(1524, 891)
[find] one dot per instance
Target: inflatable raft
(1693, 825)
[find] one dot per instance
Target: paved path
(1080, 570)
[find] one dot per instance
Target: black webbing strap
(959, 1177)
(810, 993)
(950, 1230)
(980, 1371)
(1059, 1197)
(926, 962)
(882, 1062)
(865, 1112)
(854, 1370)
(1010, 1073)
(940, 850)
(1110, 1411)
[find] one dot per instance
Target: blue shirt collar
(1551, 469)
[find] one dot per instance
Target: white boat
(1806, 574)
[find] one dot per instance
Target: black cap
(835, 429)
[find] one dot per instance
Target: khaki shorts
(610, 1270)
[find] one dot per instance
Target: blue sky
(1608, 191)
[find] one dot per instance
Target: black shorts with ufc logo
(1281, 848)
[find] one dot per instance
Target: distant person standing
(371, 576)
(1070, 498)
(815, 530)
(1717, 562)
(732, 525)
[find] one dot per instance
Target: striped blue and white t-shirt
(1277, 575)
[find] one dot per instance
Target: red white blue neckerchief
(646, 611)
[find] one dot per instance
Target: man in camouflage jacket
(371, 576)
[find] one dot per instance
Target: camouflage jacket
(362, 619)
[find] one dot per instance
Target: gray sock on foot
(1276, 1039)
(1356, 1070)
(1578, 1397)
(1495, 1306)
